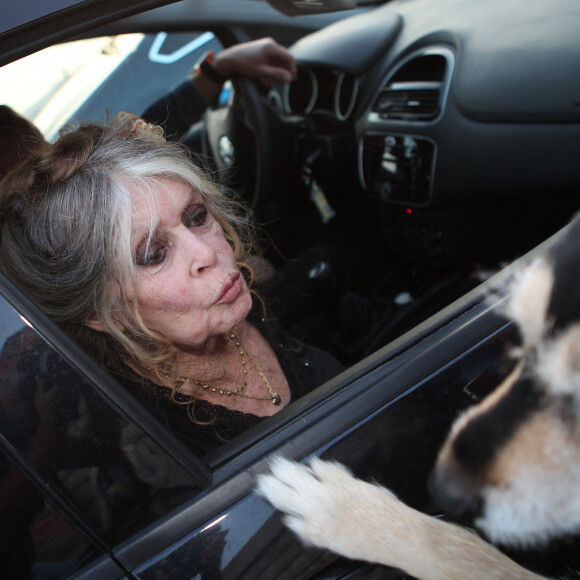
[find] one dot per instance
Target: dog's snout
(455, 494)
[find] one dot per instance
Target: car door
(91, 464)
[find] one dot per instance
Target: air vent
(409, 101)
(415, 89)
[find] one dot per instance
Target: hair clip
(133, 125)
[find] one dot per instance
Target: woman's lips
(231, 290)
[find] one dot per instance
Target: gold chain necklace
(179, 380)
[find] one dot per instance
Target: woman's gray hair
(66, 221)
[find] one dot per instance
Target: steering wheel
(239, 139)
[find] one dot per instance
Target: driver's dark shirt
(177, 111)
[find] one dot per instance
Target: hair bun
(65, 157)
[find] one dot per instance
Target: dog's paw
(327, 507)
(324, 504)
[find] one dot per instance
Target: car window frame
(62, 24)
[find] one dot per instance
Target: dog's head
(512, 462)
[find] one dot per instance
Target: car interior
(413, 157)
(424, 146)
(408, 147)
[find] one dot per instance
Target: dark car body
(461, 140)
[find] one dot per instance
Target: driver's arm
(182, 107)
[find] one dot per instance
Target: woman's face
(188, 285)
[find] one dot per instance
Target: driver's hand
(262, 59)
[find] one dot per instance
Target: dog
(511, 463)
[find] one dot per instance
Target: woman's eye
(151, 255)
(195, 216)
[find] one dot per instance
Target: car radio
(398, 168)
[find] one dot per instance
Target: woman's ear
(95, 324)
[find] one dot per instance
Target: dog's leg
(327, 507)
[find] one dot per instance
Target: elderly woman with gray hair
(121, 240)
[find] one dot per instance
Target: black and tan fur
(511, 463)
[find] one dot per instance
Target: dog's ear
(529, 298)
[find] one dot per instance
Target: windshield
(87, 80)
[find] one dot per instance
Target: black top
(177, 111)
(304, 366)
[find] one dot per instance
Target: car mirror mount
(303, 7)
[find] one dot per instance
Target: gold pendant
(276, 400)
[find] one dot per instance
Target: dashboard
(450, 104)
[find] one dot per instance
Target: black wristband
(205, 66)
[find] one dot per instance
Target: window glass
(36, 539)
(88, 79)
(106, 468)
